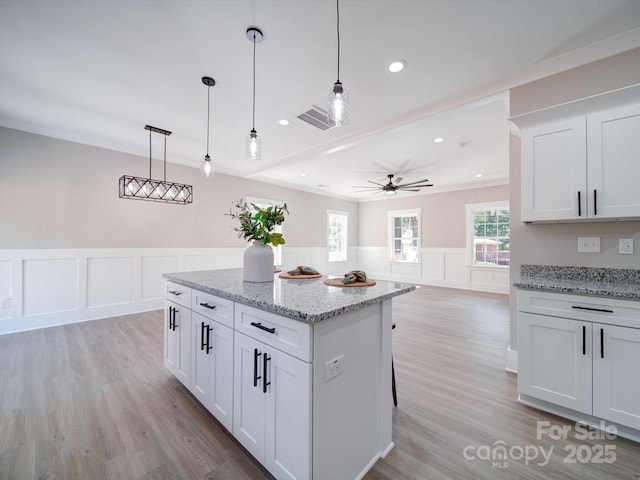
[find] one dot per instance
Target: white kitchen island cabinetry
(578, 357)
(310, 381)
(581, 167)
(177, 332)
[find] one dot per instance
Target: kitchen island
(298, 371)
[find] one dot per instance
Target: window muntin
(405, 236)
(490, 235)
(337, 225)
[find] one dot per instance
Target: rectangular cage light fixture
(140, 188)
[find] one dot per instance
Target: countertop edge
(288, 312)
(558, 286)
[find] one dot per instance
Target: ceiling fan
(392, 187)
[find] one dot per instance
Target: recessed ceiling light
(397, 66)
(283, 122)
(303, 174)
(478, 175)
(438, 139)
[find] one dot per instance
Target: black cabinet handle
(584, 340)
(602, 343)
(265, 369)
(206, 305)
(595, 202)
(256, 377)
(262, 327)
(209, 346)
(175, 292)
(603, 310)
(202, 344)
(579, 205)
(170, 318)
(175, 310)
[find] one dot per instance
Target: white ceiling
(97, 72)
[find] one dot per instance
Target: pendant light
(339, 97)
(254, 35)
(140, 188)
(206, 167)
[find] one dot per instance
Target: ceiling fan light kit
(140, 188)
(254, 142)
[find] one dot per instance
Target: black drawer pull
(206, 305)
(256, 377)
(175, 292)
(262, 327)
(603, 310)
(265, 370)
(584, 340)
(595, 202)
(171, 319)
(209, 346)
(203, 345)
(579, 205)
(601, 343)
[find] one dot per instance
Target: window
(337, 235)
(489, 234)
(405, 235)
(264, 203)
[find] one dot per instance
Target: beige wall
(557, 244)
(58, 194)
(443, 216)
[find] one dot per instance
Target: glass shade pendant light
(254, 35)
(140, 188)
(338, 113)
(206, 166)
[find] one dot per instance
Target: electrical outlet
(625, 246)
(589, 244)
(333, 368)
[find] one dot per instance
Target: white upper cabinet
(582, 168)
(613, 160)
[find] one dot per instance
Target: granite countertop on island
(309, 300)
(603, 282)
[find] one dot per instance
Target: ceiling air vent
(316, 117)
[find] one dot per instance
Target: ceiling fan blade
(409, 189)
(365, 188)
(397, 180)
(376, 183)
(413, 183)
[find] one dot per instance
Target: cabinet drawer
(215, 308)
(178, 293)
(609, 311)
(286, 334)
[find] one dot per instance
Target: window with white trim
(404, 228)
(337, 226)
(264, 203)
(489, 234)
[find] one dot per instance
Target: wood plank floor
(93, 401)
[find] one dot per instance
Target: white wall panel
(110, 280)
(50, 285)
(6, 286)
(198, 262)
(151, 270)
(433, 265)
(455, 266)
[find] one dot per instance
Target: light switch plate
(625, 246)
(588, 244)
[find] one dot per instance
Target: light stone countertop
(601, 282)
(309, 300)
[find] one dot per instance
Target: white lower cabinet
(177, 341)
(212, 372)
(272, 407)
(585, 363)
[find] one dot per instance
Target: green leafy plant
(258, 223)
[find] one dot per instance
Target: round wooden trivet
(289, 276)
(337, 282)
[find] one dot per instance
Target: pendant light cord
(338, 31)
(253, 125)
(149, 154)
(165, 158)
(208, 109)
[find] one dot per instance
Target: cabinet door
(288, 416)
(249, 401)
(177, 350)
(554, 360)
(554, 171)
(613, 162)
(616, 386)
(212, 374)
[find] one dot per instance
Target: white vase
(258, 263)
